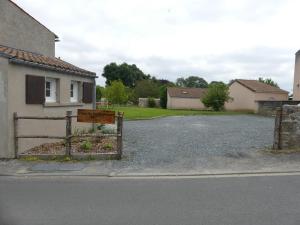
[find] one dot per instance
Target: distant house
(185, 98)
(33, 82)
(246, 94)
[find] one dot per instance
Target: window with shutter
(35, 89)
(87, 91)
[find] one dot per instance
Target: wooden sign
(96, 116)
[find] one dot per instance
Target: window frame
(53, 90)
(75, 91)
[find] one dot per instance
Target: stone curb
(141, 175)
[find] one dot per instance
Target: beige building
(246, 93)
(33, 82)
(185, 98)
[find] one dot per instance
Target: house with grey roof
(33, 82)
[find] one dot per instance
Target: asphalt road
(272, 200)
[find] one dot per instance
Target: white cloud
(219, 40)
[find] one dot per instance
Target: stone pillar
(290, 127)
(296, 89)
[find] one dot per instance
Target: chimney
(296, 89)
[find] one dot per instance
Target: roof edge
(51, 68)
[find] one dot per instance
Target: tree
(217, 82)
(128, 74)
(268, 81)
(192, 81)
(180, 82)
(216, 96)
(146, 89)
(99, 93)
(116, 93)
(163, 97)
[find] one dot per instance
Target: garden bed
(81, 148)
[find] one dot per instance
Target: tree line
(127, 83)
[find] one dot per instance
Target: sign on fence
(96, 116)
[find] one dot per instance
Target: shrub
(86, 145)
(151, 102)
(108, 146)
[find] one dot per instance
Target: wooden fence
(68, 135)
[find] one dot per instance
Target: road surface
(272, 200)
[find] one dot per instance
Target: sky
(218, 40)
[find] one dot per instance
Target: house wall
(184, 103)
(19, 30)
(243, 98)
(296, 89)
(3, 108)
(16, 103)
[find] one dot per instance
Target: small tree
(116, 93)
(216, 96)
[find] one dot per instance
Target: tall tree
(128, 74)
(192, 81)
(268, 81)
(146, 89)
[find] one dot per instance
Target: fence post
(16, 134)
(277, 129)
(119, 134)
(68, 132)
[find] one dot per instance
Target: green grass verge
(139, 113)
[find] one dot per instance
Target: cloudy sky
(214, 39)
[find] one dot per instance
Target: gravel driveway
(184, 140)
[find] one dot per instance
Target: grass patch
(139, 113)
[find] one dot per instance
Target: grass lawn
(136, 113)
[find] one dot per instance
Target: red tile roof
(186, 92)
(18, 56)
(257, 86)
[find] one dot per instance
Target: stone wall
(268, 108)
(143, 102)
(287, 128)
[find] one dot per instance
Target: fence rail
(68, 134)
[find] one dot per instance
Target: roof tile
(257, 86)
(42, 61)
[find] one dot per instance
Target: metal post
(68, 132)
(119, 134)
(16, 134)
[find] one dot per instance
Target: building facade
(33, 82)
(245, 95)
(185, 98)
